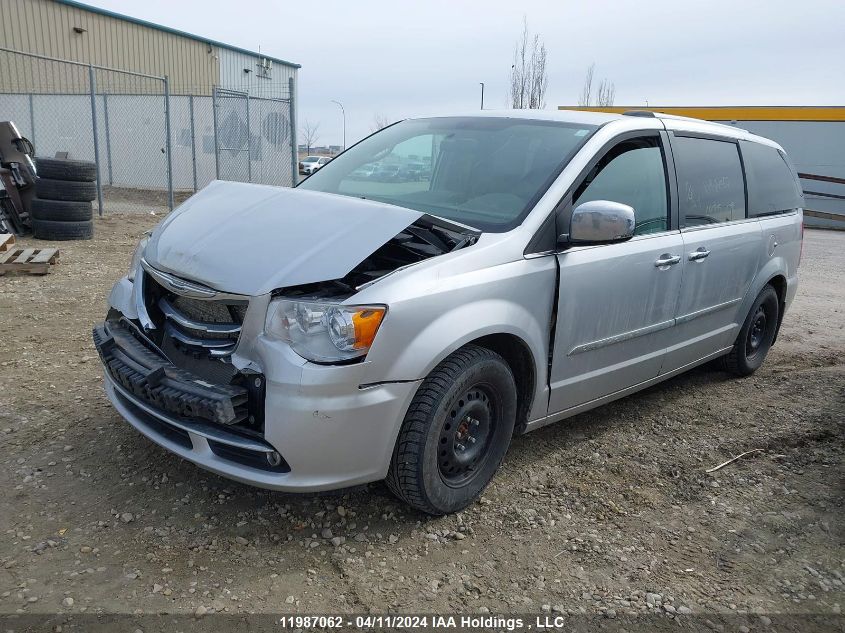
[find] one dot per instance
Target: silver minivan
(357, 329)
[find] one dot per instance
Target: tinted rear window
(772, 186)
(710, 181)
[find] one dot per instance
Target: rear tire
(61, 231)
(456, 432)
(756, 336)
(61, 210)
(61, 169)
(70, 190)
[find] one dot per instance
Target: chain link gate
(231, 135)
(252, 137)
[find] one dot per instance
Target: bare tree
(587, 88)
(529, 76)
(605, 96)
(309, 134)
(380, 121)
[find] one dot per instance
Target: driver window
(632, 173)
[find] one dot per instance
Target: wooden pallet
(34, 261)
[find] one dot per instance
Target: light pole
(482, 94)
(344, 122)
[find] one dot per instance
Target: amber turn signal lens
(366, 324)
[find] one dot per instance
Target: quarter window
(632, 173)
(711, 185)
(772, 186)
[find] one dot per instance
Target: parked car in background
(386, 173)
(365, 172)
(308, 160)
(370, 329)
(413, 172)
(312, 163)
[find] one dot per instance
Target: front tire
(456, 432)
(756, 336)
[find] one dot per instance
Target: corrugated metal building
(70, 30)
(230, 112)
(813, 136)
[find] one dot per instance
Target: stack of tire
(61, 208)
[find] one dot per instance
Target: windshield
(311, 159)
(483, 172)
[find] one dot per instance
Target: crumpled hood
(251, 239)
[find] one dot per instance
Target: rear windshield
(483, 172)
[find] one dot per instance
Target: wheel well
(778, 282)
(521, 362)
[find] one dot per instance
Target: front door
(616, 301)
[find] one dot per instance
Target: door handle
(698, 255)
(667, 260)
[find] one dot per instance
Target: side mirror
(601, 222)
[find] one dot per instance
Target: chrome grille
(216, 331)
(209, 311)
(212, 332)
(200, 325)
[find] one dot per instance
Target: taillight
(801, 252)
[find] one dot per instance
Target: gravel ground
(608, 513)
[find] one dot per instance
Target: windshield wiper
(429, 237)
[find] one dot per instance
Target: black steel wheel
(756, 333)
(466, 435)
(756, 336)
(456, 432)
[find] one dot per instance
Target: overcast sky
(401, 59)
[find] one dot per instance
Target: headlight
(324, 332)
(136, 257)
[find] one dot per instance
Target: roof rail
(649, 114)
(643, 113)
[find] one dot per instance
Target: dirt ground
(608, 513)
(124, 200)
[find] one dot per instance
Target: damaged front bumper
(140, 369)
(176, 408)
(323, 427)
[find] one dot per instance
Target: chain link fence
(152, 149)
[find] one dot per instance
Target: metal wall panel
(47, 28)
(245, 73)
(815, 147)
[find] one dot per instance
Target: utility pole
(344, 122)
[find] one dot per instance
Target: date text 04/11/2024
(365, 622)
